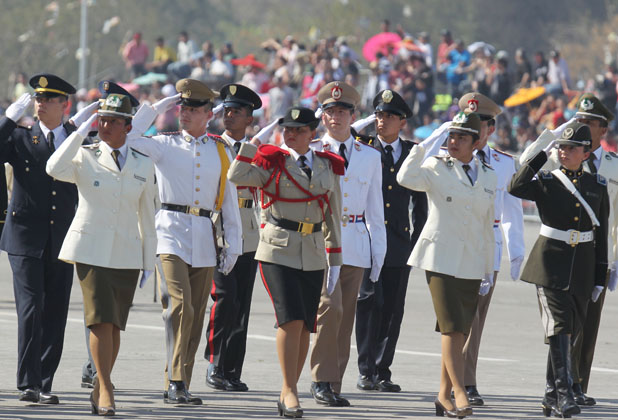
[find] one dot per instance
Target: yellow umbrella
(524, 95)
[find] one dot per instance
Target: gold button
(574, 181)
(311, 186)
(13, 213)
(197, 153)
(345, 179)
(345, 209)
(345, 194)
(390, 187)
(53, 192)
(197, 202)
(306, 219)
(53, 207)
(51, 222)
(386, 222)
(345, 224)
(405, 228)
(388, 204)
(27, 169)
(392, 169)
(577, 204)
(572, 245)
(308, 203)
(576, 218)
(198, 165)
(197, 177)
(197, 189)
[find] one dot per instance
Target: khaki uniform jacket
(608, 169)
(114, 224)
(458, 237)
(301, 251)
(250, 225)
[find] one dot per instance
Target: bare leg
(102, 348)
(288, 342)
(446, 386)
(452, 355)
(303, 349)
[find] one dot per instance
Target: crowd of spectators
(292, 71)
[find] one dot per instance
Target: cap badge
(43, 81)
(586, 104)
(336, 93)
(187, 93)
(460, 118)
(387, 96)
(233, 89)
(473, 105)
(295, 113)
(113, 101)
(106, 86)
(567, 133)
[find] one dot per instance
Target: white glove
(17, 109)
(550, 146)
(360, 124)
(318, 112)
(331, 278)
(516, 267)
(84, 113)
(437, 133)
(226, 263)
(145, 276)
(264, 134)
(613, 277)
(374, 275)
(558, 131)
(166, 103)
(596, 292)
(217, 109)
(84, 127)
(486, 284)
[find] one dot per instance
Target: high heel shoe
(101, 411)
(93, 405)
(464, 412)
(441, 410)
(294, 412)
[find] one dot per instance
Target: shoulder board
(167, 133)
(336, 161)
(269, 156)
(25, 127)
(487, 165)
(545, 174)
(137, 151)
(218, 139)
(601, 179)
(91, 146)
(359, 141)
(501, 152)
(365, 139)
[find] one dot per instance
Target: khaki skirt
(108, 293)
(454, 301)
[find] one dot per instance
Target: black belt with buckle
(302, 227)
(245, 203)
(196, 211)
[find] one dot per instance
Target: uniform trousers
(473, 341)
(184, 295)
(42, 288)
(229, 316)
(561, 311)
(331, 344)
(379, 312)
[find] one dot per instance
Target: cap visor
(332, 104)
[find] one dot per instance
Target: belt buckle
(194, 211)
(574, 237)
(305, 228)
(241, 202)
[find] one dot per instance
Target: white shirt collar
(396, 145)
(232, 141)
(58, 131)
(334, 144)
(124, 149)
(296, 155)
(185, 135)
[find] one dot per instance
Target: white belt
(571, 236)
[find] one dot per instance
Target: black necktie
(390, 160)
(303, 165)
(481, 154)
(115, 154)
(467, 168)
(50, 142)
(237, 147)
(342, 154)
(591, 165)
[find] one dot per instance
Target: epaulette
(601, 179)
(368, 140)
(336, 161)
(92, 146)
(502, 152)
(269, 156)
(218, 139)
(545, 174)
(138, 152)
(358, 142)
(25, 127)
(167, 133)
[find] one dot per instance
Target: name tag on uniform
(141, 178)
(487, 190)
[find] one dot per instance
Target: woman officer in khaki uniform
(300, 235)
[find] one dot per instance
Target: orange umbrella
(523, 96)
(248, 60)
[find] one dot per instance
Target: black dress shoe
(473, 396)
(87, 381)
(176, 393)
(48, 398)
(191, 400)
(340, 401)
(386, 385)
(581, 398)
(215, 378)
(365, 383)
(293, 412)
(30, 395)
(323, 394)
(236, 385)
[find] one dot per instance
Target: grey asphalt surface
(511, 371)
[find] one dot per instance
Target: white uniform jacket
(114, 223)
(607, 167)
(361, 190)
(458, 236)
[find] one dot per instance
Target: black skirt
(295, 293)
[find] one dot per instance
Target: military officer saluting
(300, 236)
(592, 112)
(363, 236)
(191, 167)
(38, 218)
(509, 216)
(231, 294)
(380, 306)
(568, 263)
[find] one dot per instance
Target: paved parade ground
(511, 371)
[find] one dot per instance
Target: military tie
(115, 154)
(390, 161)
(342, 154)
(481, 154)
(303, 165)
(467, 168)
(591, 165)
(50, 142)
(237, 147)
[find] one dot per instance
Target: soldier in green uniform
(568, 263)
